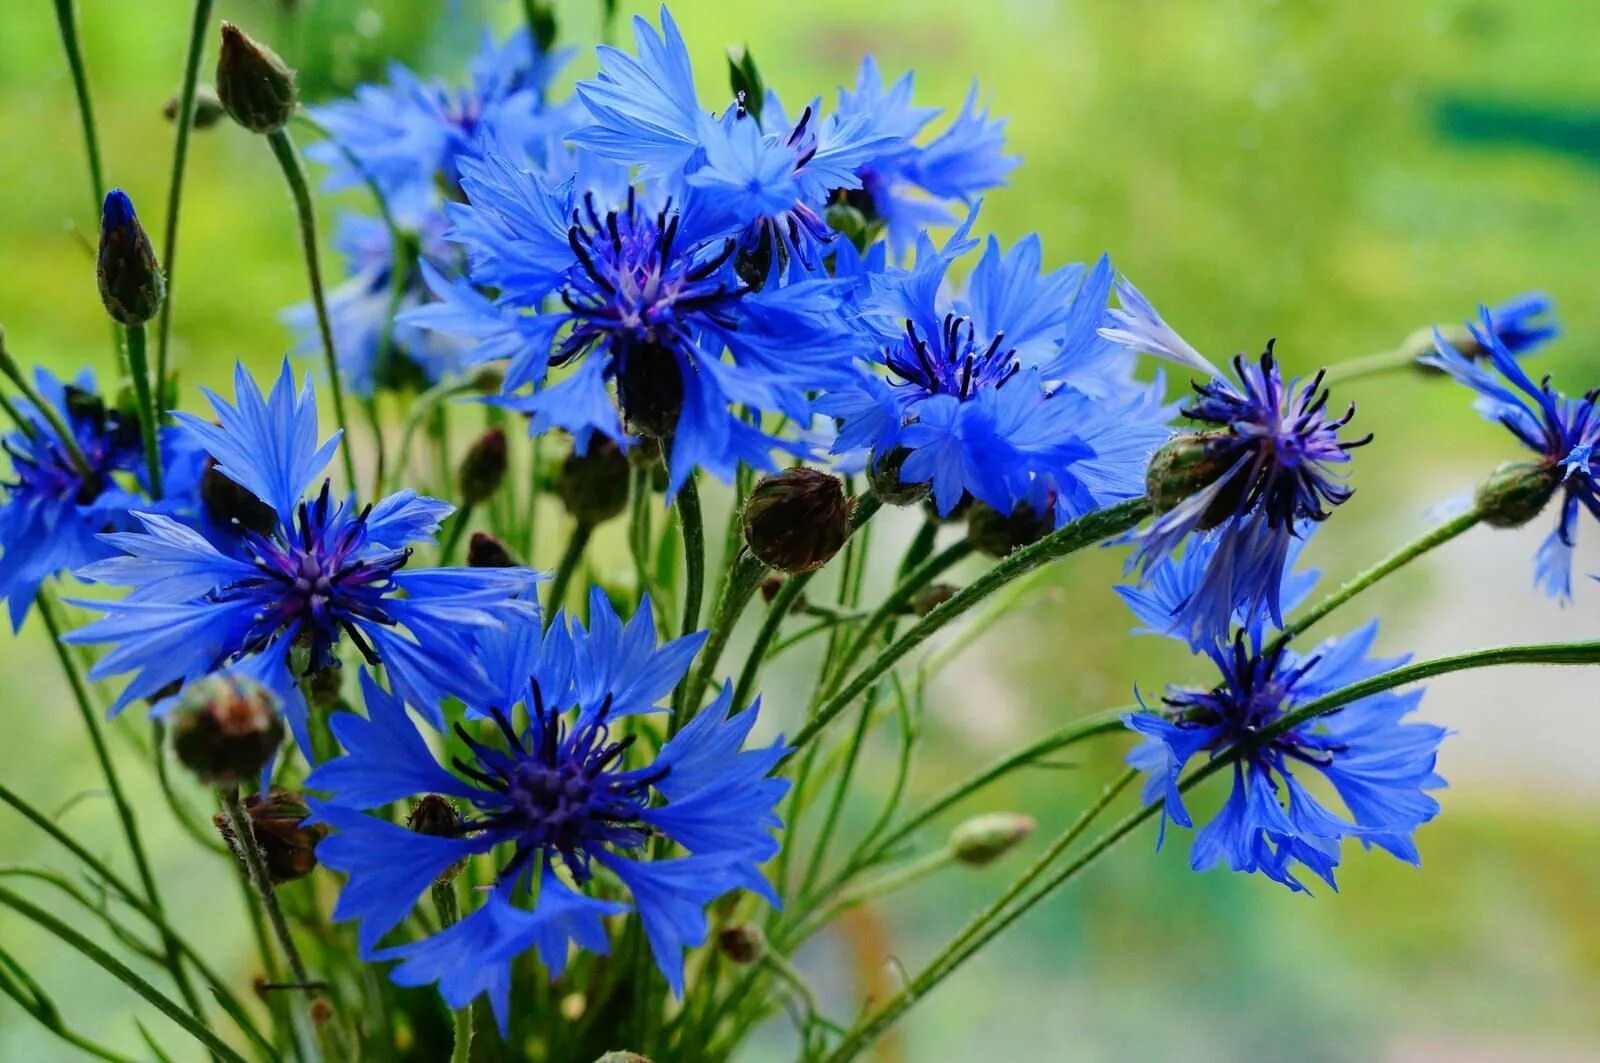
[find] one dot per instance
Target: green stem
(897, 602)
(139, 369)
(452, 538)
(1371, 365)
(692, 525)
(1400, 558)
(244, 835)
(743, 578)
(67, 20)
(64, 435)
(122, 972)
(1085, 531)
(198, 28)
(461, 1046)
(119, 799)
(564, 571)
(889, 882)
(996, 918)
(294, 173)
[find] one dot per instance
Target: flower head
(1262, 464)
(1379, 765)
(566, 801)
(54, 510)
(276, 606)
(1561, 432)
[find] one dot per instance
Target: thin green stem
(67, 20)
(452, 538)
(244, 835)
(64, 435)
(139, 369)
(691, 523)
(198, 27)
(122, 972)
(1085, 531)
(295, 175)
(997, 917)
(1395, 561)
(744, 576)
(570, 559)
(119, 799)
(1371, 365)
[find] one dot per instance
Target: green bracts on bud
(483, 469)
(745, 80)
(255, 87)
(129, 276)
(287, 843)
(797, 520)
(226, 730)
(884, 475)
(742, 943)
(436, 817)
(593, 486)
(1517, 492)
(984, 839)
(1186, 464)
(623, 1057)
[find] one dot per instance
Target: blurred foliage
(1332, 174)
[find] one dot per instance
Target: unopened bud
(287, 843)
(984, 839)
(930, 598)
(485, 551)
(743, 943)
(884, 475)
(207, 108)
(1517, 492)
(1186, 464)
(996, 535)
(232, 505)
(623, 1057)
(131, 284)
(255, 87)
(226, 730)
(436, 817)
(797, 520)
(770, 587)
(483, 469)
(594, 485)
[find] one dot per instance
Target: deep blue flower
(568, 801)
(327, 572)
(649, 305)
(1379, 765)
(998, 391)
(1522, 324)
(53, 512)
(1263, 462)
(1561, 431)
(907, 186)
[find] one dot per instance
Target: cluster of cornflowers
(706, 285)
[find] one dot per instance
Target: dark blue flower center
(953, 362)
(44, 469)
(316, 581)
(1256, 690)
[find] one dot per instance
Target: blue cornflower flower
(409, 135)
(54, 512)
(569, 802)
(1521, 324)
(325, 572)
(1561, 431)
(1264, 466)
(905, 186)
(770, 180)
(1380, 766)
(361, 310)
(997, 392)
(650, 302)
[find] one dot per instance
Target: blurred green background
(1332, 174)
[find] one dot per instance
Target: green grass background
(1260, 169)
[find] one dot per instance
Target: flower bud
(226, 730)
(1517, 492)
(207, 108)
(770, 587)
(255, 86)
(797, 520)
(982, 840)
(288, 844)
(436, 817)
(743, 943)
(483, 469)
(1188, 463)
(131, 284)
(485, 551)
(744, 78)
(232, 505)
(594, 485)
(884, 475)
(991, 533)
(650, 390)
(623, 1057)
(930, 598)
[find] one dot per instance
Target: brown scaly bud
(255, 87)
(984, 839)
(742, 943)
(131, 284)
(436, 817)
(483, 469)
(485, 551)
(230, 504)
(797, 520)
(226, 730)
(884, 475)
(288, 844)
(991, 533)
(593, 486)
(207, 108)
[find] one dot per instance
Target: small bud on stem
(797, 520)
(255, 87)
(226, 730)
(982, 840)
(131, 284)
(483, 469)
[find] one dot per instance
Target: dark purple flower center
(953, 362)
(44, 469)
(1255, 692)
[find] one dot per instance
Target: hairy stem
(570, 559)
(139, 369)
